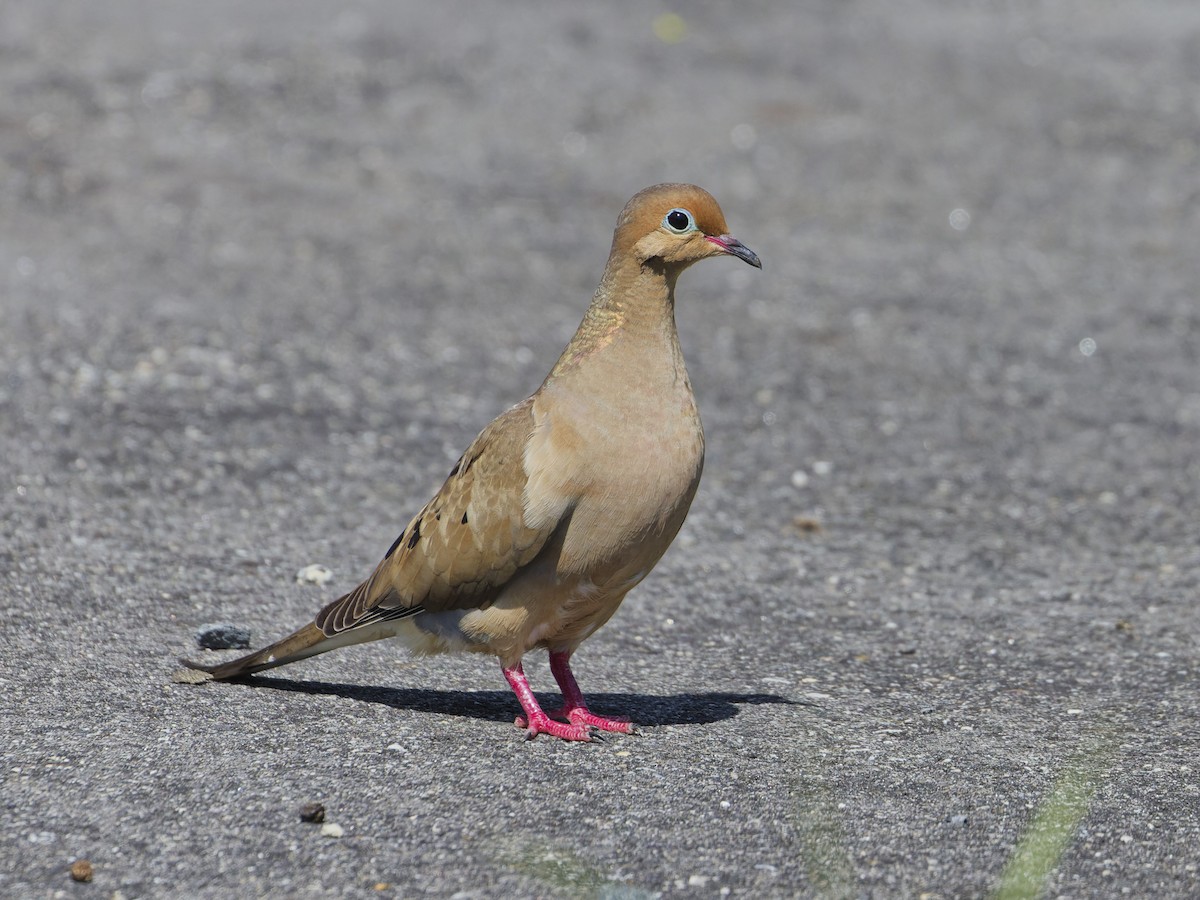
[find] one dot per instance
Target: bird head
(679, 224)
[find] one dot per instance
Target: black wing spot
(415, 536)
(464, 519)
(396, 544)
(457, 466)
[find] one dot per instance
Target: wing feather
(467, 542)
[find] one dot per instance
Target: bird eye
(679, 221)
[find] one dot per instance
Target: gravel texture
(267, 268)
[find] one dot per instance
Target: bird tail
(349, 620)
(307, 641)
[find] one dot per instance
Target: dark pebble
(312, 812)
(223, 636)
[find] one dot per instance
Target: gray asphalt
(931, 628)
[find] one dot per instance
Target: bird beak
(734, 247)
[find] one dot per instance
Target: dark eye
(679, 220)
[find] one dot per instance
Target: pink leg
(574, 708)
(535, 720)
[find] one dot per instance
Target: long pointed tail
(308, 641)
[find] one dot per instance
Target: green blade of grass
(822, 842)
(1041, 847)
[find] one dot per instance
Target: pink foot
(580, 720)
(543, 724)
(580, 715)
(577, 717)
(535, 721)
(574, 709)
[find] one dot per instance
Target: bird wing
(467, 542)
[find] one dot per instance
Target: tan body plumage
(566, 500)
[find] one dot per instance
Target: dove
(566, 501)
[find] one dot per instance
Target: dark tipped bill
(734, 247)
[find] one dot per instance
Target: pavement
(931, 627)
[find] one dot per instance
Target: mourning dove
(564, 502)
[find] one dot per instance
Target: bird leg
(535, 719)
(574, 709)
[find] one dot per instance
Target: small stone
(958, 820)
(314, 574)
(806, 525)
(81, 870)
(697, 880)
(223, 636)
(190, 676)
(332, 830)
(312, 812)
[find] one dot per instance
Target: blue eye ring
(679, 221)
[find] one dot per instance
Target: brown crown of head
(677, 223)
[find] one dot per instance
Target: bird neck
(634, 306)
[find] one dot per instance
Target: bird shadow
(500, 706)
